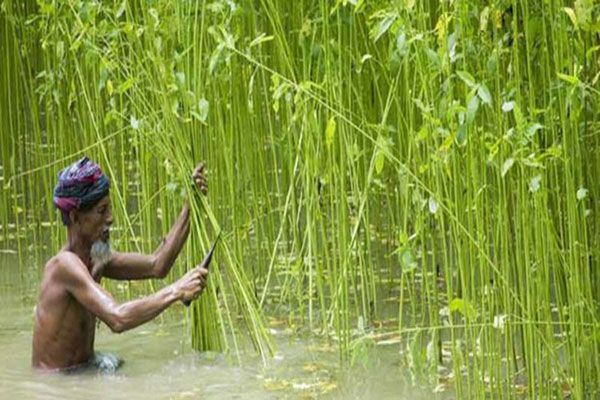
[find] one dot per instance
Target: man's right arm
(121, 317)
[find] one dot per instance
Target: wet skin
(71, 297)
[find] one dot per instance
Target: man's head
(81, 195)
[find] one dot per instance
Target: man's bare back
(71, 297)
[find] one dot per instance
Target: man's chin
(100, 252)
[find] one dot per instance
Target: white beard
(100, 256)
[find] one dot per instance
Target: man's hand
(191, 284)
(200, 179)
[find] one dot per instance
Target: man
(71, 297)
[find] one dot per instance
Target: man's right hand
(191, 284)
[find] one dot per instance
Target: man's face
(94, 224)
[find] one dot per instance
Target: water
(160, 365)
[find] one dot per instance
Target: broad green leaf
(484, 94)
(134, 123)
(407, 260)
(467, 78)
(573, 80)
(484, 17)
(506, 166)
(433, 205)
(534, 185)
(571, 13)
(533, 128)
(203, 107)
(472, 108)
(121, 9)
(582, 193)
(126, 85)
(508, 106)
(463, 307)
(384, 25)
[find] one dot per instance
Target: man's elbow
(160, 272)
(159, 268)
(117, 323)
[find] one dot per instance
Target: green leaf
(508, 106)
(384, 25)
(582, 193)
(407, 260)
(203, 107)
(134, 123)
(463, 307)
(379, 161)
(121, 9)
(329, 132)
(123, 87)
(472, 108)
(467, 78)
(484, 94)
(433, 205)
(534, 185)
(262, 38)
(571, 13)
(506, 166)
(532, 129)
(573, 80)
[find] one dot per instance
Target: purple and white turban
(80, 185)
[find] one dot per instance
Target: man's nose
(109, 219)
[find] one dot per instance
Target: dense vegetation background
(419, 173)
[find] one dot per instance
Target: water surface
(160, 365)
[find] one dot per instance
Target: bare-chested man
(71, 296)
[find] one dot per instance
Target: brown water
(160, 365)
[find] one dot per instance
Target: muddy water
(160, 365)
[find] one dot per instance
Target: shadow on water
(159, 365)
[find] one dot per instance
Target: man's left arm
(132, 266)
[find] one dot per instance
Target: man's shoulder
(64, 261)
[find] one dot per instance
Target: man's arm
(79, 283)
(129, 266)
